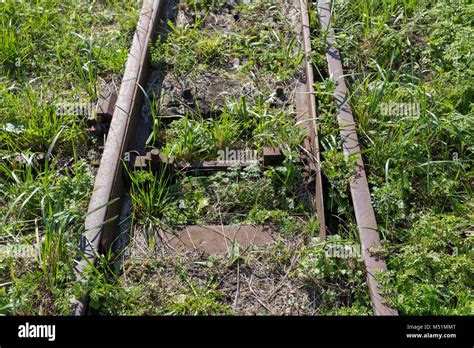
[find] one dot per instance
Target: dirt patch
(204, 94)
(227, 58)
(256, 281)
(207, 61)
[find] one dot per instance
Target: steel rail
(312, 114)
(359, 187)
(105, 205)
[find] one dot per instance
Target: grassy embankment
(416, 54)
(51, 53)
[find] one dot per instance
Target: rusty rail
(364, 212)
(310, 105)
(105, 204)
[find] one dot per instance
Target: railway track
(126, 151)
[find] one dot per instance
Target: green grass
(148, 289)
(255, 54)
(51, 52)
(419, 168)
(342, 280)
(263, 47)
(266, 51)
(45, 211)
(248, 196)
(238, 126)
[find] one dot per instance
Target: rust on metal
(105, 106)
(104, 206)
(364, 212)
(99, 120)
(151, 160)
(272, 156)
(218, 239)
(301, 101)
(306, 103)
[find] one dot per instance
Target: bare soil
(261, 281)
(206, 92)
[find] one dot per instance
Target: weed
(51, 52)
(338, 282)
(150, 194)
(419, 166)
